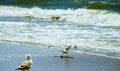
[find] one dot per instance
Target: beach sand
(44, 59)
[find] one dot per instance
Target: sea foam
(94, 31)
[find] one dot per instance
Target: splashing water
(95, 31)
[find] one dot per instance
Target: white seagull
(25, 65)
(65, 51)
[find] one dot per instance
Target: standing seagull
(25, 65)
(65, 51)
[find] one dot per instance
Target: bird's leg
(62, 55)
(66, 54)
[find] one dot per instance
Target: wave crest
(83, 16)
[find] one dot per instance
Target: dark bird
(65, 51)
(49, 46)
(75, 46)
(25, 65)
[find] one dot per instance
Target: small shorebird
(25, 65)
(65, 51)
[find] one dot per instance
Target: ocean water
(60, 23)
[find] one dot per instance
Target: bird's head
(29, 57)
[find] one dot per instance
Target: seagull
(65, 51)
(25, 65)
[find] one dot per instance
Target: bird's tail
(18, 69)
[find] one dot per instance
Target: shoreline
(44, 59)
(45, 46)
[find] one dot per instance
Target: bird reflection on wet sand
(65, 64)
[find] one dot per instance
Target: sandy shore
(45, 59)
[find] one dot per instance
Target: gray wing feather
(68, 47)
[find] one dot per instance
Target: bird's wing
(68, 48)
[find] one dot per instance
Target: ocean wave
(93, 31)
(83, 16)
(42, 3)
(63, 4)
(101, 5)
(34, 34)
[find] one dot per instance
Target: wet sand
(44, 59)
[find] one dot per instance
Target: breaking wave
(93, 31)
